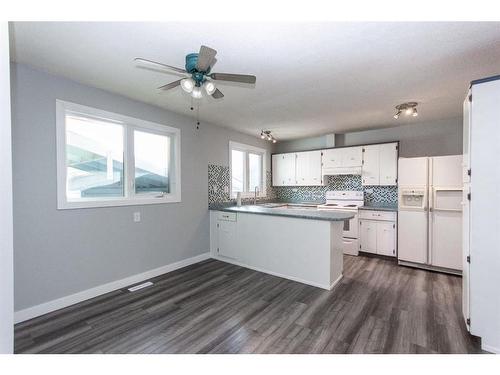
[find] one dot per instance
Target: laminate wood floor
(215, 307)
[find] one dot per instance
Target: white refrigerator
(430, 212)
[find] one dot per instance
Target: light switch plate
(137, 217)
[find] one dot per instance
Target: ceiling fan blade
(157, 65)
(243, 78)
(170, 85)
(205, 58)
(217, 94)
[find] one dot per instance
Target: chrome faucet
(256, 191)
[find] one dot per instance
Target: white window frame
(129, 124)
(252, 149)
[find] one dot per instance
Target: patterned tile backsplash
(218, 184)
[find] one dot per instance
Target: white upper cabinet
(370, 171)
(297, 169)
(283, 166)
(352, 156)
(388, 164)
(332, 158)
(308, 168)
(380, 164)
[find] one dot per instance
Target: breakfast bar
(299, 244)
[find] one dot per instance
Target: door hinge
(217, 225)
(468, 321)
(468, 196)
(217, 249)
(470, 98)
(359, 247)
(468, 258)
(394, 225)
(469, 172)
(397, 147)
(363, 150)
(362, 162)
(321, 153)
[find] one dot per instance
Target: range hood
(334, 171)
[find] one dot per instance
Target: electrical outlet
(295, 190)
(137, 217)
(226, 189)
(369, 191)
(214, 188)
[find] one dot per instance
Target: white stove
(346, 200)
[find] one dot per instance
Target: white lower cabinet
(226, 234)
(377, 232)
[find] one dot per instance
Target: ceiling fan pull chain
(197, 115)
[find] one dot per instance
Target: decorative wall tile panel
(218, 186)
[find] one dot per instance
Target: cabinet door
(388, 164)
(386, 239)
(368, 236)
(277, 161)
(227, 244)
(332, 158)
(289, 169)
(352, 156)
(315, 177)
(370, 170)
(302, 168)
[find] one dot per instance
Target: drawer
(226, 216)
(377, 215)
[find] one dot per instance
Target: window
(106, 159)
(247, 167)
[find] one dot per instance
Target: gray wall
(61, 252)
(423, 139)
(6, 271)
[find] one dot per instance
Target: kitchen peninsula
(299, 244)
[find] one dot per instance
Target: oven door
(351, 227)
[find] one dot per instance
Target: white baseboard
(490, 348)
(318, 285)
(336, 281)
(44, 308)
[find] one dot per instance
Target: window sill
(116, 203)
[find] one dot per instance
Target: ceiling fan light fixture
(274, 140)
(197, 94)
(187, 84)
(396, 116)
(209, 87)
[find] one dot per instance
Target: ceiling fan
(197, 74)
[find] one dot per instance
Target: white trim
(491, 349)
(44, 308)
(129, 124)
(297, 279)
(248, 149)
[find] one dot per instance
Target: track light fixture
(266, 134)
(409, 108)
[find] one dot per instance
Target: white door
(386, 239)
(227, 239)
(352, 156)
(388, 161)
(412, 236)
(445, 244)
(446, 171)
(413, 171)
(368, 236)
(370, 170)
(466, 212)
(315, 168)
(289, 169)
(302, 168)
(332, 158)
(276, 169)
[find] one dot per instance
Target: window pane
(152, 159)
(237, 170)
(255, 171)
(94, 158)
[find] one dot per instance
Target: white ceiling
(312, 78)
